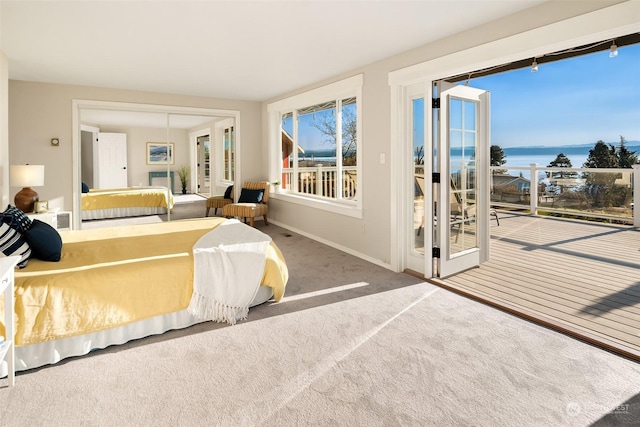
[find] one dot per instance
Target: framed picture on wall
(157, 153)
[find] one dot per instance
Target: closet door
(110, 166)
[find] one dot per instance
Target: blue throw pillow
(251, 196)
(13, 243)
(45, 241)
(85, 188)
(16, 219)
(227, 192)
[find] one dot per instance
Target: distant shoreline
(314, 163)
(632, 145)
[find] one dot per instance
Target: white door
(462, 235)
(203, 145)
(110, 166)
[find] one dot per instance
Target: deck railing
(584, 192)
(608, 194)
(323, 181)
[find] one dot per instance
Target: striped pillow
(12, 243)
(16, 219)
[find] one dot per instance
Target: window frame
(337, 91)
(219, 160)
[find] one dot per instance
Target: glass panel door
(418, 233)
(463, 220)
(417, 226)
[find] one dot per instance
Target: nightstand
(7, 350)
(60, 220)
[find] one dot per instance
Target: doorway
(452, 120)
(203, 170)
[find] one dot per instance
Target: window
(318, 145)
(229, 143)
(226, 150)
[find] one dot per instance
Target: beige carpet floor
(352, 344)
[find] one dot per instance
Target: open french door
(462, 200)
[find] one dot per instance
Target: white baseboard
(334, 245)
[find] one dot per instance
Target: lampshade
(26, 176)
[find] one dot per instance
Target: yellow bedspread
(140, 197)
(113, 276)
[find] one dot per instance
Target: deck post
(533, 188)
(636, 196)
(319, 180)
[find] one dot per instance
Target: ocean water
(542, 156)
(524, 156)
(525, 161)
(541, 160)
(515, 156)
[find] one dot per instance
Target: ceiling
(249, 50)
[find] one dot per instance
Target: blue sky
(574, 101)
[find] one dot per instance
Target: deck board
(562, 295)
(582, 276)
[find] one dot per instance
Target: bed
(125, 202)
(113, 285)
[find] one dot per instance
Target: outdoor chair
(464, 214)
(216, 202)
(252, 203)
(458, 214)
(419, 188)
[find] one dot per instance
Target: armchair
(252, 203)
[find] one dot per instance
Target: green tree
(498, 158)
(419, 155)
(600, 185)
(561, 161)
(325, 122)
(602, 156)
(626, 157)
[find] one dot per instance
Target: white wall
(137, 138)
(4, 131)
(4, 127)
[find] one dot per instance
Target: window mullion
(232, 150)
(294, 175)
(339, 174)
(225, 151)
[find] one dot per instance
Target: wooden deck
(582, 278)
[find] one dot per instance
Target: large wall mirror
(143, 147)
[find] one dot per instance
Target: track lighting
(613, 50)
(534, 66)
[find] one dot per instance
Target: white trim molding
(346, 88)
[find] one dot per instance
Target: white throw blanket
(229, 263)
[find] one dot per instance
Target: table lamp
(26, 176)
